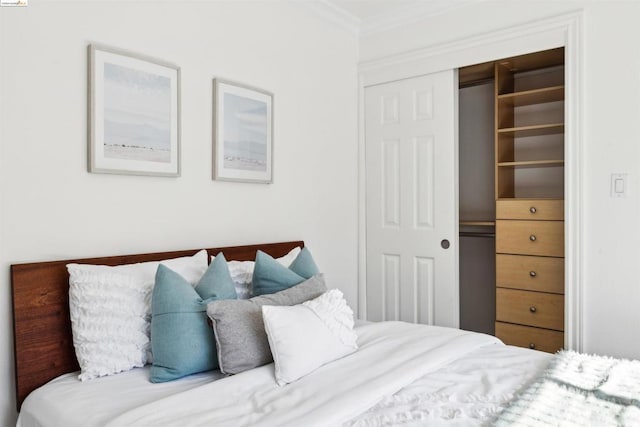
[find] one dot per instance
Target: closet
(511, 199)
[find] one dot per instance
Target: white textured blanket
(580, 390)
(391, 356)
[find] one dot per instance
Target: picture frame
(243, 133)
(134, 114)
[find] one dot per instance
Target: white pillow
(242, 272)
(110, 310)
(306, 336)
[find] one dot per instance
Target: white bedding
(402, 374)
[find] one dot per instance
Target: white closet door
(411, 200)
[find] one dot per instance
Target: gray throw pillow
(241, 339)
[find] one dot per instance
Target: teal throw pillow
(182, 341)
(269, 276)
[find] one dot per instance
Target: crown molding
(396, 18)
(410, 14)
(334, 14)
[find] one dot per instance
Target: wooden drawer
(542, 274)
(526, 336)
(530, 209)
(530, 308)
(544, 238)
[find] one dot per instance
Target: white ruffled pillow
(306, 336)
(242, 272)
(110, 310)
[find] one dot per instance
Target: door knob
(445, 244)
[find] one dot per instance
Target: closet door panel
(410, 136)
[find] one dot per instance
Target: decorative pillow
(181, 339)
(242, 272)
(110, 309)
(269, 276)
(239, 330)
(306, 336)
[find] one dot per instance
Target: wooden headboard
(43, 345)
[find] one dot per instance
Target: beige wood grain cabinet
(529, 188)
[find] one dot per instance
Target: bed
(401, 374)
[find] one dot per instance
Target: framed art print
(243, 133)
(134, 114)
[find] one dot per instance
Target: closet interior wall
(477, 206)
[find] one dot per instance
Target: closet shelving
(532, 97)
(529, 128)
(533, 130)
(526, 229)
(525, 87)
(525, 233)
(532, 164)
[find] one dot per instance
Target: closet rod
(476, 83)
(472, 234)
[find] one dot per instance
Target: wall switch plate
(619, 184)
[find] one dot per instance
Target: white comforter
(392, 357)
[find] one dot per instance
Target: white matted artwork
(243, 134)
(134, 105)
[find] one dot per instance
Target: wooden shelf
(475, 73)
(534, 61)
(533, 199)
(535, 130)
(532, 164)
(532, 97)
(478, 223)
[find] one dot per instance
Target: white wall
(51, 208)
(610, 143)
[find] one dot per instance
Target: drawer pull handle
(533, 237)
(533, 309)
(532, 346)
(533, 209)
(533, 274)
